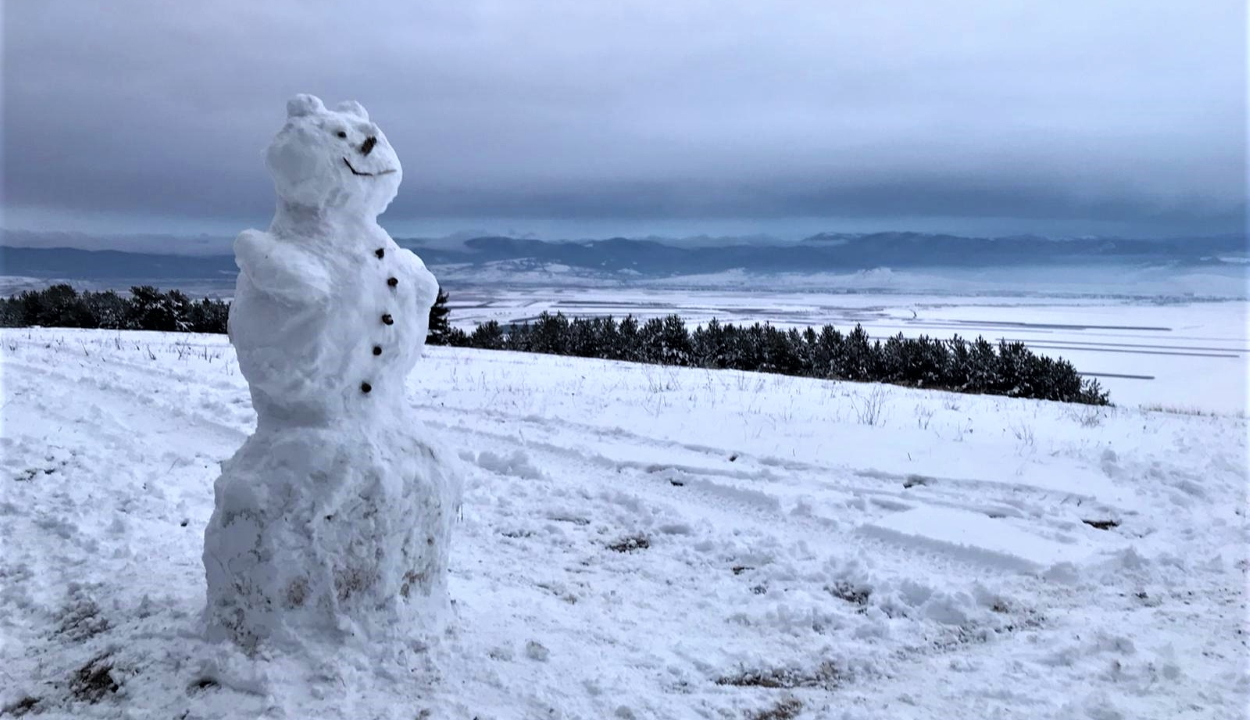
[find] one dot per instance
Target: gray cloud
(1122, 111)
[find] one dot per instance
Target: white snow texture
(332, 520)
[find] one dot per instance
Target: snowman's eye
(341, 134)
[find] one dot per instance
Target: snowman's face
(333, 158)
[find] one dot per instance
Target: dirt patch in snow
(1102, 524)
(21, 707)
(781, 710)
(93, 681)
(827, 675)
(852, 594)
(630, 544)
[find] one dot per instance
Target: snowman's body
(333, 518)
(306, 340)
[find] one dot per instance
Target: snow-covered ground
(646, 542)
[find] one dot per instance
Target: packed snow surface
(644, 542)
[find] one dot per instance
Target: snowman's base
(324, 534)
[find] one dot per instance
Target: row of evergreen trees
(977, 366)
(146, 308)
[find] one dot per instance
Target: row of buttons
(387, 319)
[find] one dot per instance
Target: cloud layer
(1122, 111)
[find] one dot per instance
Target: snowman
(332, 520)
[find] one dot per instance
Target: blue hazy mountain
(826, 252)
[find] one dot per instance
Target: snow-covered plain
(1151, 350)
(646, 542)
(1226, 280)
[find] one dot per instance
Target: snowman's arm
(280, 269)
(427, 286)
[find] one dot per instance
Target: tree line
(958, 365)
(145, 308)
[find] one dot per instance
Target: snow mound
(516, 464)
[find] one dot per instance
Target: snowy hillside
(645, 542)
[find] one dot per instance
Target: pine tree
(488, 336)
(651, 341)
(440, 327)
(10, 312)
(827, 355)
(609, 339)
(630, 341)
(519, 338)
(151, 309)
(551, 334)
(858, 356)
(62, 307)
(583, 341)
(209, 316)
(674, 342)
(457, 338)
(109, 309)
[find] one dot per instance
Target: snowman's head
(333, 159)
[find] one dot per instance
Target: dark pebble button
(388, 320)
(392, 281)
(365, 387)
(379, 252)
(377, 349)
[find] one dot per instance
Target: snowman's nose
(367, 147)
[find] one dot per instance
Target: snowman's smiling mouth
(348, 163)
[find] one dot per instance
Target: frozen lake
(1170, 353)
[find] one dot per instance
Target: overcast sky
(673, 117)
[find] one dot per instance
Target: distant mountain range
(888, 261)
(838, 253)
(623, 260)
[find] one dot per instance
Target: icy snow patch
(977, 538)
(516, 464)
